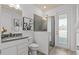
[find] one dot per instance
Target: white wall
(27, 10)
(49, 24)
(77, 30)
(49, 27)
(71, 12)
(77, 25)
(42, 38)
(73, 29)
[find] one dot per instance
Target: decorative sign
(27, 23)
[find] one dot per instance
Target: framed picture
(27, 23)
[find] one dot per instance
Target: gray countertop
(13, 39)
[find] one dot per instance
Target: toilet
(33, 47)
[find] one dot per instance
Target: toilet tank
(30, 40)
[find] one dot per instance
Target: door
(61, 30)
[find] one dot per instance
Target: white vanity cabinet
(17, 47)
(9, 51)
(22, 49)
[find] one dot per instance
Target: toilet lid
(33, 45)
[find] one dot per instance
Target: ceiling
(48, 6)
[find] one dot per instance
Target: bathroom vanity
(17, 45)
(12, 43)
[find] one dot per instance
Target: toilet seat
(33, 45)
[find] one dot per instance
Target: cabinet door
(9, 51)
(22, 49)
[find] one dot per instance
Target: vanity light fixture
(17, 6)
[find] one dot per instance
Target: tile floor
(60, 51)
